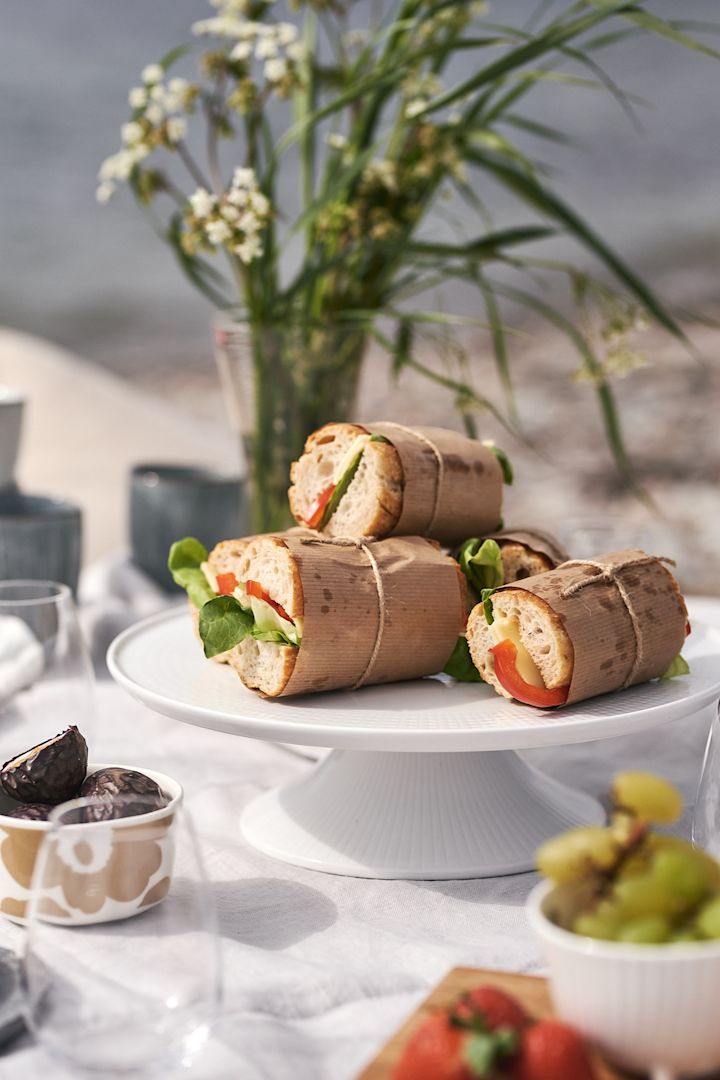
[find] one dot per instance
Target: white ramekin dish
(645, 1007)
(104, 881)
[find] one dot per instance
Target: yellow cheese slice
(507, 629)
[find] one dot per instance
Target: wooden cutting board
(530, 991)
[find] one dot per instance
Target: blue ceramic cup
(168, 502)
(40, 538)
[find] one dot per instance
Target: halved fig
(121, 793)
(48, 773)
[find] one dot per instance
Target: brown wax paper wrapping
(468, 489)
(599, 625)
(535, 539)
(423, 603)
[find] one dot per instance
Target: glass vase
(280, 383)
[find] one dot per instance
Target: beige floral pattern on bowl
(96, 872)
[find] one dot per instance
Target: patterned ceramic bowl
(648, 1008)
(91, 876)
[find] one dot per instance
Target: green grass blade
(485, 246)
(550, 205)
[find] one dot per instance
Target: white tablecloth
(319, 970)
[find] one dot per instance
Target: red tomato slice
(317, 509)
(505, 655)
(227, 584)
(254, 588)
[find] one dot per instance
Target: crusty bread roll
(591, 626)
(366, 613)
(416, 481)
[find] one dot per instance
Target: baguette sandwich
(585, 628)
(383, 479)
(299, 614)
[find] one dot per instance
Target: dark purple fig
(121, 793)
(48, 773)
(32, 811)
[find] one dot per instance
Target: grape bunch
(624, 882)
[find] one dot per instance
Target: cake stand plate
(423, 780)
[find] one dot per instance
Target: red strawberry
(551, 1050)
(493, 1007)
(434, 1052)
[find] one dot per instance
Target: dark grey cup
(168, 502)
(40, 538)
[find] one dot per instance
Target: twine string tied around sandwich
(361, 544)
(609, 575)
(440, 460)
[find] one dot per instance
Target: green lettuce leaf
(340, 488)
(184, 562)
(481, 563)
(679, 666)
(460, 664)
(486, 601)
(507, 469)
(223, 624)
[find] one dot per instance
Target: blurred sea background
(97, 281)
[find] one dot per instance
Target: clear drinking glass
(706, 813)
(122, 967)
(46, 679)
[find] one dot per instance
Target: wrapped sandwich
(300, 613)
(588, 627)
(383, 479)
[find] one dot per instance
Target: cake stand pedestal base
(431, 816)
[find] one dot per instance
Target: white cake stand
(424, 780)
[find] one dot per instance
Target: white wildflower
(415, 107)
(225, 25)
(244, 178)
(230, 213)
(260, 203)
(178, 86)
(296, 52)
(247, 29)
(286, 33)
(138, 97)
(249, 222)
(155, 113)
(266, 47)
(249, 249)
(218, 231)
(202, 202)
(105, 191)
(275, 70)
(117, 166)
(381, 172)
(241, 51)
(176, 129)
(238, 197)
(336, 140)
(131, 133)
(153, 73)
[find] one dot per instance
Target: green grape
(650, 930)
(708, 920)
(635, 897)
(575, 854)
(684, 934)
(660, 842)
(596, 925)
(683, 874)
(649, 797)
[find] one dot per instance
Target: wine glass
(45, 669)
(122, 965)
